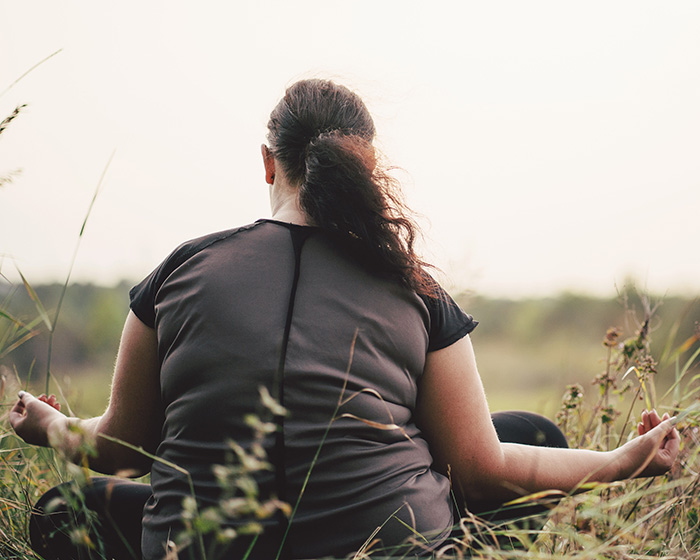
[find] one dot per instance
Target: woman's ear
(269, 163)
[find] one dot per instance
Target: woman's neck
(284, 203)
(291, 216)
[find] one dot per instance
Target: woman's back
(283, 307)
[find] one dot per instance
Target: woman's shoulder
(195, 245)
(142, 294)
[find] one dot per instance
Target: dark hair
(321, 133)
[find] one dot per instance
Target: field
(556, 356)
(591, 364)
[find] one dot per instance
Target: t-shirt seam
(208, 240)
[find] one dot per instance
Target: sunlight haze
(547, 146)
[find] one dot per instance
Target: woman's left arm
(454, 416)
(134, 413)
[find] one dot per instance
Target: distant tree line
(87, 331)
(520, 344)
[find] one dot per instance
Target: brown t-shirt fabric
(285, 307)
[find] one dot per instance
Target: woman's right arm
(453, 413)
(133, 415)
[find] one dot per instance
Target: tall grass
(651, 518)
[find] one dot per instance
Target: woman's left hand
(35, 418)
(655, 450)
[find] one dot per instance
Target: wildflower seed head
(610, 339)
(572, 397)
(647, 364)
(608, 414)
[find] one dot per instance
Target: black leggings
(113, 507)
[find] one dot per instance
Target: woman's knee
(53, 522)
(528, 428)
(105, 514)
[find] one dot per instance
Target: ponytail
(338, 192)
(322, 135)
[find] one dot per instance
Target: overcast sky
(548, 146)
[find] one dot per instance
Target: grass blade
(681, 374)
(13, 84)
(37, 302)
(17, 343)
(13, 319)
(52, 327)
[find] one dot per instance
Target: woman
(327, 307)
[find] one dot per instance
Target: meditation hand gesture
(654, 452)
(35, 418)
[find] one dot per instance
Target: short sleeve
(142, 298)
(448, 322)
(143, 295)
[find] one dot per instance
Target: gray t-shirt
(285, 307)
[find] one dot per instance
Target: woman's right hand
(654, 451)
(35, 419)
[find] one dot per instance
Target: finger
(658, 433)
(673, 433)
(19, 410)
(22, 399)
(25, 397)
(666, 428)
(648, 418)
(15, 418)
(672, 443)
(53, 401)
(50, 400)
(654, 417)
(640, 428)
(27, 400)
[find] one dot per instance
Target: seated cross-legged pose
(327, 307)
